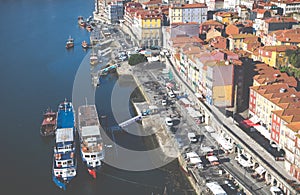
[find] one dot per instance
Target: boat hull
(59, 183)
(48, 126)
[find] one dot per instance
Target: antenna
(85, 101)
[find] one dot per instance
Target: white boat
(91, 143)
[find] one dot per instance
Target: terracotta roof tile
(280, 20)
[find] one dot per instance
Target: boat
(81, 21)
(89, 28)
(70, 42)
(48, 126)
(93, 59)
(84, 45)
(91, 143)
(64, 159)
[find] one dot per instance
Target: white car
(164, 102)
(169, 121)
(192, 137)
(171, 94)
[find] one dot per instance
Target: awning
(222, 141)
(254, 119)
(212, 158)
(260, 170)
(195, 160)
(191, 154)
(249, 123)
(262, 130)
(206, 149)
(216, 188)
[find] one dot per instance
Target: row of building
(231, 58)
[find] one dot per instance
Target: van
(192, 137)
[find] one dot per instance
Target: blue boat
(64, 160)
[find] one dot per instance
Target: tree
(294, 57)
(136, 59)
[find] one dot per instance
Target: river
(37, 72)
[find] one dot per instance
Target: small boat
(84, 44)
(64, 159)
(81, 21)
(89, 28)
(70, 43)
(93, 59)
(91, 147)
(48, 126)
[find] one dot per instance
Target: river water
(37, 72)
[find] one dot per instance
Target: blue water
(37, 72)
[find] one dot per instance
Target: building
(188, 13)
(278, 23)
(226, 17)
(147, 28)
(205, 26)
(115, 11)
(288, 6)
(274, 56)
(219, 83)
(236, 40)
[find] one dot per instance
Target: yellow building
(236, 40)
(147, 28)
(274, 56)
(175, 14)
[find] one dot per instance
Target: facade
(236, 40)
(274, 56)
(288, 6)
(219, 83)
(147, 28)
(278, 23)
(115, 11)
(188, 13)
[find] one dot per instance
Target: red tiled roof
(279, 48)
(153, 2)
(194, 5)
(280, 20)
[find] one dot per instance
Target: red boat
(70, 43)
(48, 126)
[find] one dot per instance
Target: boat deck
(65, 119)
(88, 116)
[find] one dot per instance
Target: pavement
(152, 80)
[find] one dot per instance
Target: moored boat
(70, 42)
(48, 126)
(93, 59)
(81, 21)
(64, 160)
(89, 28)
(84, 44)
(91, 143)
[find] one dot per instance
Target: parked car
(164, 102)
(169, 121)
(171, 94)
(192, 137)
